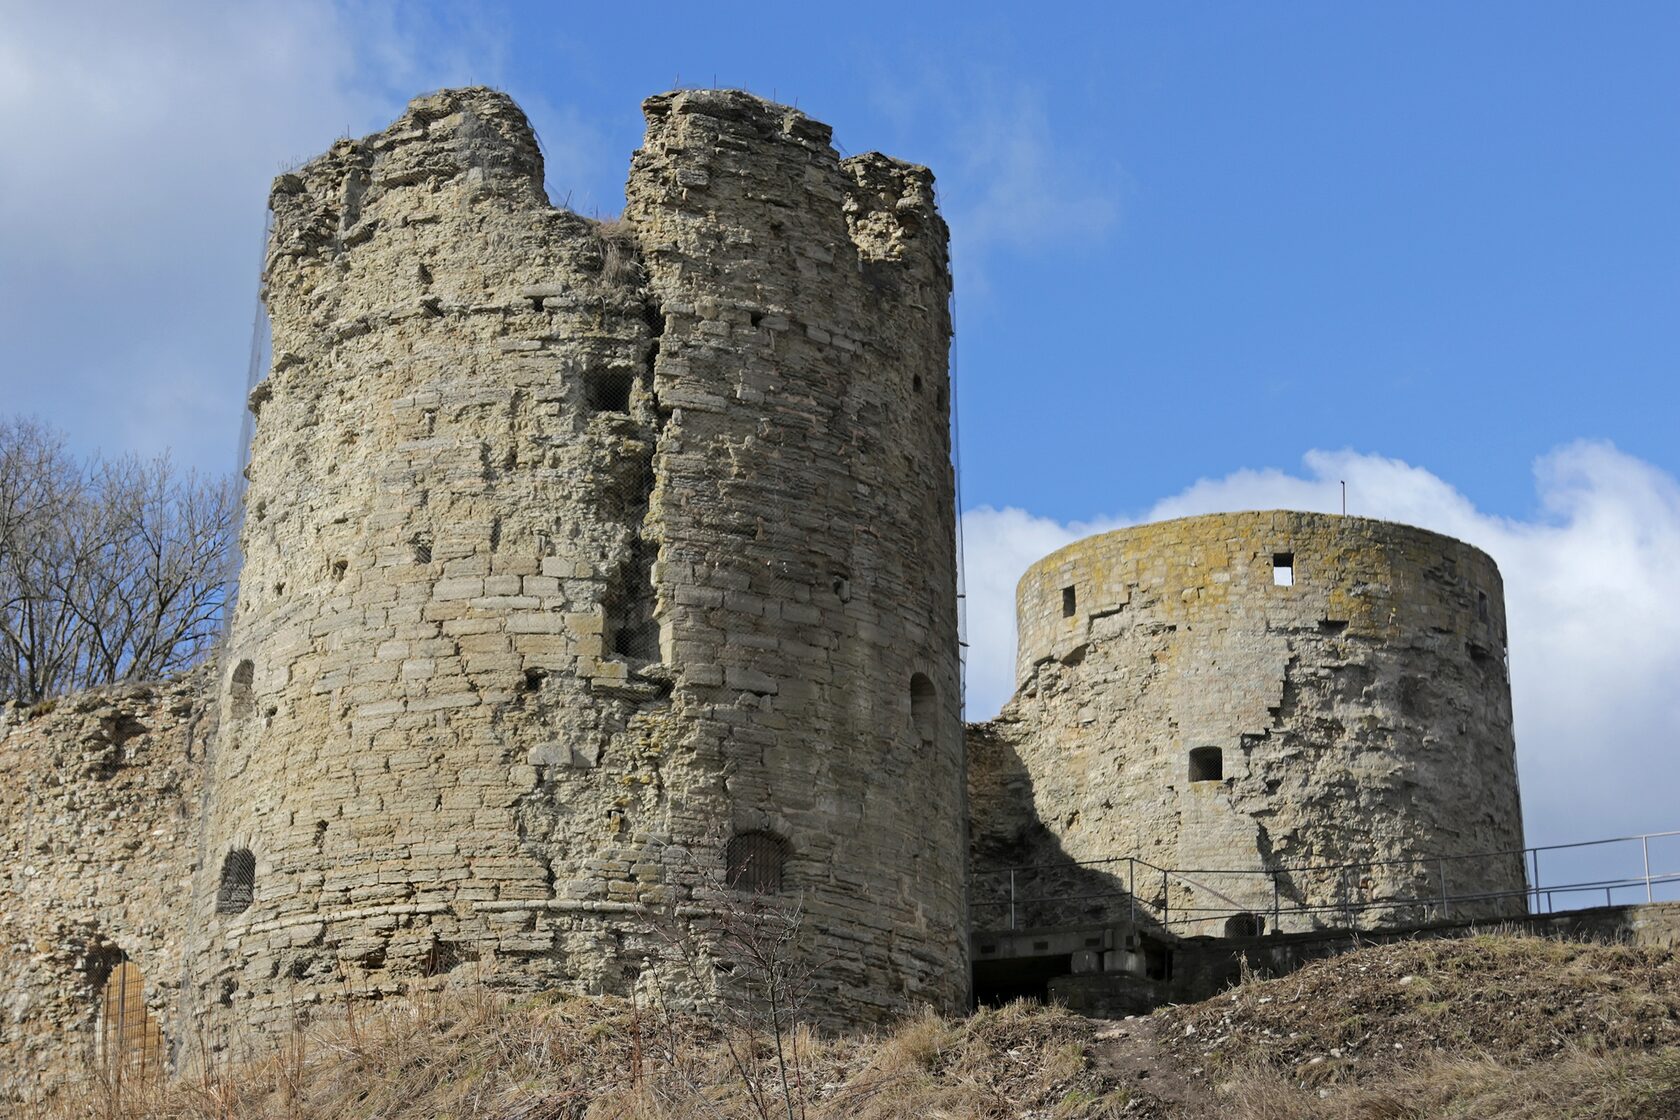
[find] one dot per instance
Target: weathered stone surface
(1361, 713)
(546, 521)
(99, 798)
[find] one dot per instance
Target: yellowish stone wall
(1362, 714)
(99, 802)
(572, 551)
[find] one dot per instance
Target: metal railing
(1314, 896)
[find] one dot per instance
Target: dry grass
(1360, 1015)
(1486, 1027)
(1578, 1084)
(479, 1055)
(621, 263)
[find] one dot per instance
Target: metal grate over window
(756, 862)
(239, 882)
(130, 1039)
(241, 694)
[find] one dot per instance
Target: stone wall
(1347, 681)
(574, 550)
(99, 798)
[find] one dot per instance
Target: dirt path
(1130, 1053)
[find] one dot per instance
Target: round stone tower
(1250, 699)
(599, 579)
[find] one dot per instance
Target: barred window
(755, 862)
(239, 882)
(241, 694)
(1245, 925)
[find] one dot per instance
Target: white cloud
(1015, 188)
(1593, 611)
(1006, 181)
(140, 140)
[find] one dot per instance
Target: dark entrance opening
(998, 982)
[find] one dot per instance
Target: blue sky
(1207, 255)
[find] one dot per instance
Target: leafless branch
(110, 570)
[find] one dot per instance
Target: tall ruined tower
(591, 568)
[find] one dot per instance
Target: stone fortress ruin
(1288, 721)
(599, 576)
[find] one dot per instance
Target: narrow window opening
(1482, 605)
(637, 641)
(1283, 569)
(632, 629)
(924, 707)
(242, 699)
(916, 383)
(1207, 764)
(609, 391)
(1070, 602)
(239, 882)
(755, 862)
(1245, 925)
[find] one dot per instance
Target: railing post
(1166, 902)
(1274, 901)
(1131, 893)
(1011, 898)
(1645, 846)
(1446, 907)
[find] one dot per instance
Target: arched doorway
(130, 1041)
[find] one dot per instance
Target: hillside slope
(1490, 1026)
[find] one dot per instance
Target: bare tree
(112, 570)
(742, 944)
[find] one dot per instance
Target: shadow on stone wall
(1021, 877)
